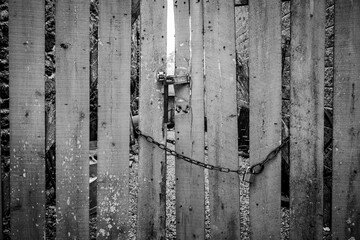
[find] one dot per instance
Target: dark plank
(346, 153)
(265, 115)
(27, 117)
(113, 118)
(1, 187)
(221, 113)
(135, 10)
(239, 3)
(307, 118)
(189, 120)
(152, 161)
(72, 119)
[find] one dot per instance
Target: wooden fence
(205, 50)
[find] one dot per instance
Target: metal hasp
(167, 80)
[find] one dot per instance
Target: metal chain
(254, 169)
(259, 167)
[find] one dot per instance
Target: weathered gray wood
(189, 120)
(27, 117)
(346, 153)
(1, 187)
(113, 119)
(152, 161)
(265, 115)
(221, 112)
(307, 118)
(72, 119)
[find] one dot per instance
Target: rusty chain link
(254, 169)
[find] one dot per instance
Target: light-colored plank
(27, 117)
(72, 119)
(189, 120)
(113, 118)
(307, 118)
(221, 112)
(265, 115)
(152, 161)
(346, 153)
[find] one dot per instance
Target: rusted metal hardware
(173, 79)
(168, 80)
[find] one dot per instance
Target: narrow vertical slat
(221, 112)
(27, 117)
(1, 187)
(113, 119)
(189, 120)
(72, 119)
(306, 120)
(152, 161)
(346, 153)
(265, 115)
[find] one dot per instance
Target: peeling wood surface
(307, 119)
(346, 153)
(152, 161)
(265, 115)
(219, 38)
(27, 117)
(189, 120)
(113, 119)
(72, 119)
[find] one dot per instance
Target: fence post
(265, 115)
(221, 113)
(72, 119)
(1, 185)
(113, 119)
(152, 161)
(307, 118)
(346, 153)
(27, 117)
(189, 120)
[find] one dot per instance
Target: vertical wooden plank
(189, 120)
(113, 114)
(1, 186)
(72, 119)
(346, 154)
(307, 118)
(221, 112)
(27, 117)
(152, 161)
(265, 115)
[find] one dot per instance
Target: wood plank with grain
(113, 119)
(72, 119)
(265, 115)
(346, 151)
(152, 160)
(307, 118)
(221, 113)
(189, 120)
(27, 117)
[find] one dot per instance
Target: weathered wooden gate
(205, 86)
